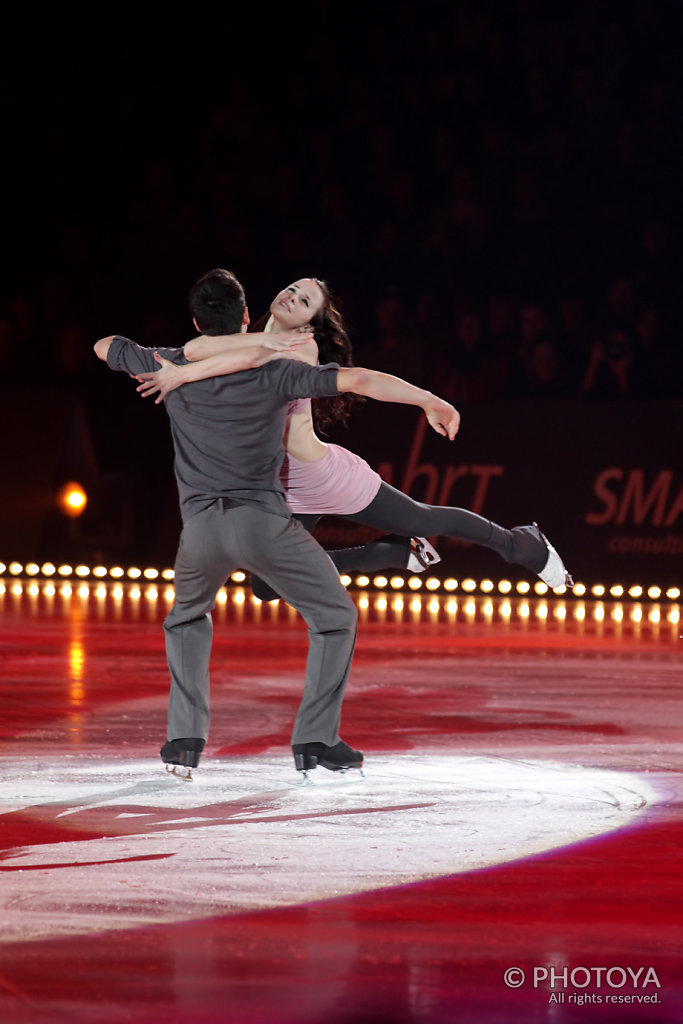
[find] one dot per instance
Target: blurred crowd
(490, 189)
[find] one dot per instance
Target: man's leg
(259, 587)
(282, 553)
(206, 556)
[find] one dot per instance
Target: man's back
(227, 431)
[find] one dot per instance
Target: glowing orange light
(72, 499)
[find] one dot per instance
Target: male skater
(227, 435)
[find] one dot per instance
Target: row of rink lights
(85, 576)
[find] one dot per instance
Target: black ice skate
(339, 758)
(181, 756)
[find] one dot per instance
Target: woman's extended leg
(523, 545)
(392, 552)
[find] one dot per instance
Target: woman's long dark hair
(334, 346)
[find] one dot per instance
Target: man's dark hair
(217, 303)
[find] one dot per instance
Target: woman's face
(297, 304)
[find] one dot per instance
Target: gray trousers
(213, 544)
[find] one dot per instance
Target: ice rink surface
(520, 812)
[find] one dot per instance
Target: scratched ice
(137, 846)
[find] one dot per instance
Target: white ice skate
(553, 573)
(422, 555)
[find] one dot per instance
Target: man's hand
(442, 417)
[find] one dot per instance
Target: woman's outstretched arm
(206, 345)
(172, 375)
(227, 359)
(383, 387)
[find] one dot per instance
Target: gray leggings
(396, 513)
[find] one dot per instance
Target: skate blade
(184, 774)
(422, 555)
(340, 775)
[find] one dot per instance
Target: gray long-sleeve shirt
(227, 431)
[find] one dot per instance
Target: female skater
(325, 479)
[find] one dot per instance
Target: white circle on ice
(245, 835)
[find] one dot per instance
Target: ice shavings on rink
(100, 843)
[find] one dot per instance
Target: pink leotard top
(340, 483)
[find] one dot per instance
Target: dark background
(491, 189)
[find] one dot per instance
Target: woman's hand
(167, 379)
(442, 417)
